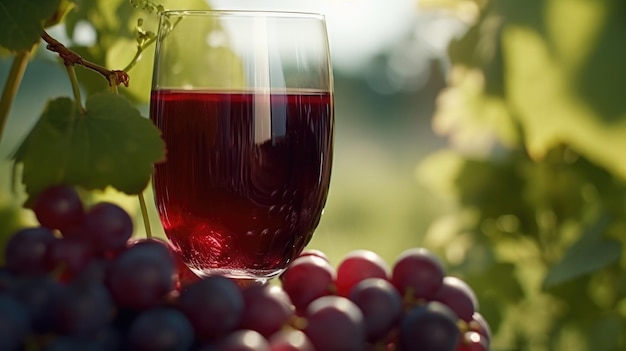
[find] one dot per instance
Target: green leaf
(567, 84)
(590, 253)
(110, 144)
(21, 22)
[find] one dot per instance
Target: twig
(71, 58)
(11, 86)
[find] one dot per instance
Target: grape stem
(75, 87)
(71, 58)
(12, 84)
(144, 214)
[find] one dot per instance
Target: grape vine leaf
(567, 84)
(590, 253)
(21, 22)
(110, 144)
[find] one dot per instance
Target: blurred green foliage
(535, 170)
(532, 183)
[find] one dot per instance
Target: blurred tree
(535, 169)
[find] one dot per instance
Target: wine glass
(244, 101)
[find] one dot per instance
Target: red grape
(359, 265)
(306, 279)
(83, 308)
(37, 295)
(429, 327)
(267, 309)
(459, 296)
(417, 273)
(479, 324)
(380, 304)
(244, 340)
(290, 340)
(108, 226)
(314, 252)
(162, 328)
(141, 276)
(71, 255)
(28, 251)
(472, 341)
(14, 323)
(59, 207)
(214, 305)
(335, 323)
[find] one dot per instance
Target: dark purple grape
(107, 339)
(429, 327)
(473, 341)
(59, 207)
(380, 304)
(459, 296)
(37, 294)
(71, 343)
(14, 323)
(141, 277)
(334, 323)
(417, 274)
(244, 340)
(357, 266)
(96, 270)
(161, 328)
(7, 280)
(108, 226)
(267, 309)
(27, 251)
(306, 279)
(290, 340)
(83, 308)
(480, 325)
(214, 306)
(71, 255)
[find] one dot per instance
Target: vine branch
(71, 58)
(11, 86)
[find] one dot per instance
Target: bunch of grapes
(79, 282)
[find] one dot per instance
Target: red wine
(246, 176)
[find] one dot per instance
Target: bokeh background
(492, 132)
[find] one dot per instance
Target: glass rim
(246, 13)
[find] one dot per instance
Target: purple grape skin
(14, 323)
(429, 327)
(83, 308)
(244, 340)
(59, 207)
(418, 271)
(334, 323)
(161, 328)
(7, 280)
(479, 324)
(214, 306)
(72, 255)
(357, 266)
(141, 277)
(267, 309)
(380, 304)
(308, 278)
(458, 296)
(290, 340)
(108, 226)
(37, 294)
(27, 251)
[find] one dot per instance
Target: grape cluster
(79, 282)
(364, 304)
